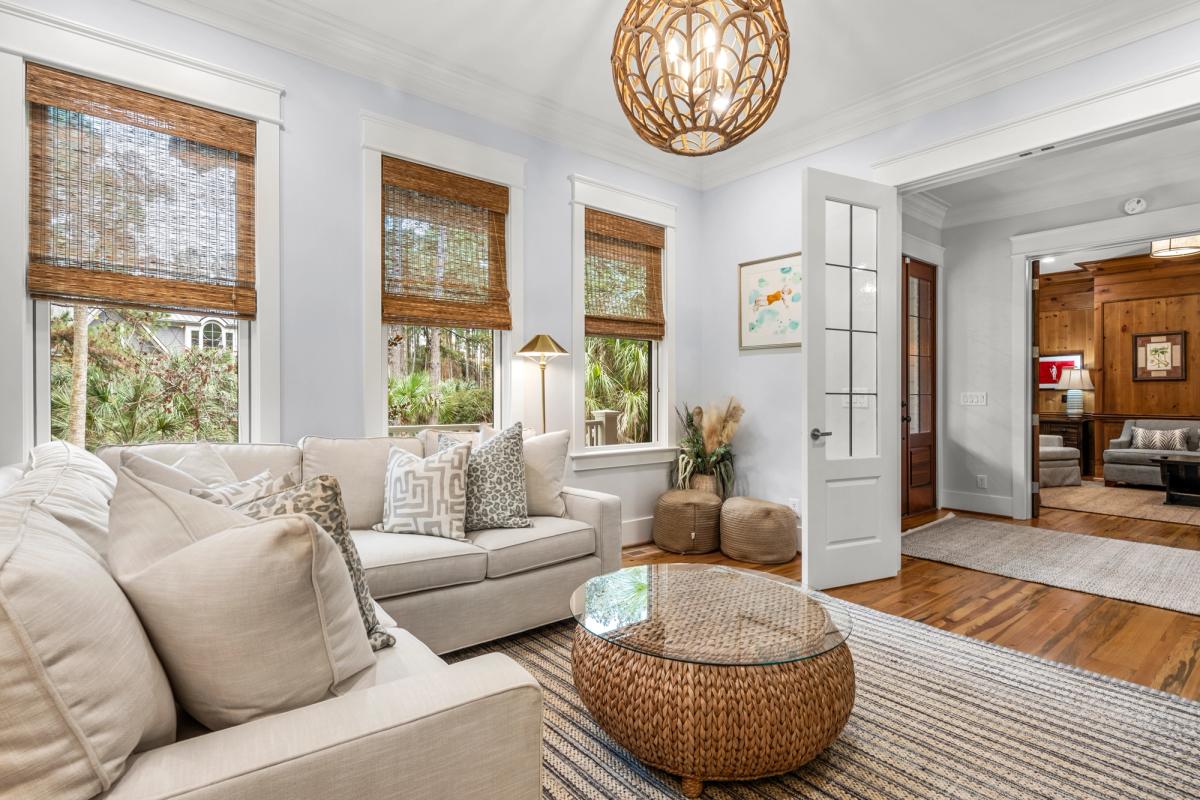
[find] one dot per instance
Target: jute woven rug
(1118, 501)
(1151, 574)
(936, 715)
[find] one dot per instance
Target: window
(623, 323)
(445, 295)
(141, 236)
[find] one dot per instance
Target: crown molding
(926, 208)
(314, 34)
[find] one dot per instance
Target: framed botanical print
(1050, 368)
(1160, 356)
(769, 303)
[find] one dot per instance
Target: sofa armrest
(1123, 443)
(1050, 440)
(603, 512)
(472, 730)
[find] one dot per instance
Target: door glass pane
(864, 285)
(837, 233)
(837, 421)
(837, 361)
(862, 364)
(914, 412)
(863, 426)
(863, 238)
(837, 297)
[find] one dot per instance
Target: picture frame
(1160, 356)
(769, 314)
(1051, 365)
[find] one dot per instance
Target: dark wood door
(918, 381)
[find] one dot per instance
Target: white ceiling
(1115, 169)
(543, 65)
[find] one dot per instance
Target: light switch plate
(973, 399)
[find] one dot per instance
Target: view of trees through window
(121, 376)
(439, 376)
(616, 390)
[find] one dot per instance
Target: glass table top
(710, 614)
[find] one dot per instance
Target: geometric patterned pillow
(426, 495)
(235, 494)
(495, 481)
(320, 499)
(1145, 439)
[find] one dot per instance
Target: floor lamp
(543, 348)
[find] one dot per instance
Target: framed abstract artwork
(769, 303)
(1160, 356)
(1050, 368)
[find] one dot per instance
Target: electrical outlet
(973, 399)
(794, 505)
(981, 481)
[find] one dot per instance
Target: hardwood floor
(1151, 646)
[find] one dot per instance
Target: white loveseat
(411, 726)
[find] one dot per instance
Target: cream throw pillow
(71, 485)
(249, 618)
(545, 471)
(202, 461)
(80, 686)
(426, 495)
(160, 473)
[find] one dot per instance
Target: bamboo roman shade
(443, 249)
(622, 277)
(138, 200)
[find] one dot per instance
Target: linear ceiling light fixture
(695, 77)
(1176, 246)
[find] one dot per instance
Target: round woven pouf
(757, 531)
(688, 521)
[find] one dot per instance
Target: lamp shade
(1075, 379)
(542, 346)
(1176, 246)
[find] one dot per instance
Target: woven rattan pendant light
(698, 76)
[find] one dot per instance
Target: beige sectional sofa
(80, 675)
(448, 593)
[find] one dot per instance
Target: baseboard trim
(979, 503)
(639, 530)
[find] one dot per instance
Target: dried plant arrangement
(704, 444)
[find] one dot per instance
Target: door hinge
(1037, 419)
(1036, 352)
(1037, 487)
(1035, 284)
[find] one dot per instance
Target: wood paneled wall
(1122, 297)
(1066, 324)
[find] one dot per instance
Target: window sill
(623, 456)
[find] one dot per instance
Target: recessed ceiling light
(1049, 260)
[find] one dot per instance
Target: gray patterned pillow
(1146, 439)
(320, 499)
(426, 495)
(236, 494)
(495, 481)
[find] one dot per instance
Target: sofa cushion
(320, 499)
(403, 563)
(549, 540)
(545, 471)
(80, 686)
(1058, 453)
(408, 657)
(1136, 457)
(9, 475)
(1158, 439)
(73, 486)
(250, 618)
(360, 466)
(245, 459)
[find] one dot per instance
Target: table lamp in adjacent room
(543, 348)
(1076, 381)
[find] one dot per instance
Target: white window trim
(588, 193)
(385, 136)
(26, 34)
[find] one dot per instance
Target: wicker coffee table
(712, 673)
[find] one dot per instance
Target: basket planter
(705, 483)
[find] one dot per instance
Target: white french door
(851, 371)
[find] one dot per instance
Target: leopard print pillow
(495, 481)
(320, 499)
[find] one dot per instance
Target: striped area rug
(937, 715)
